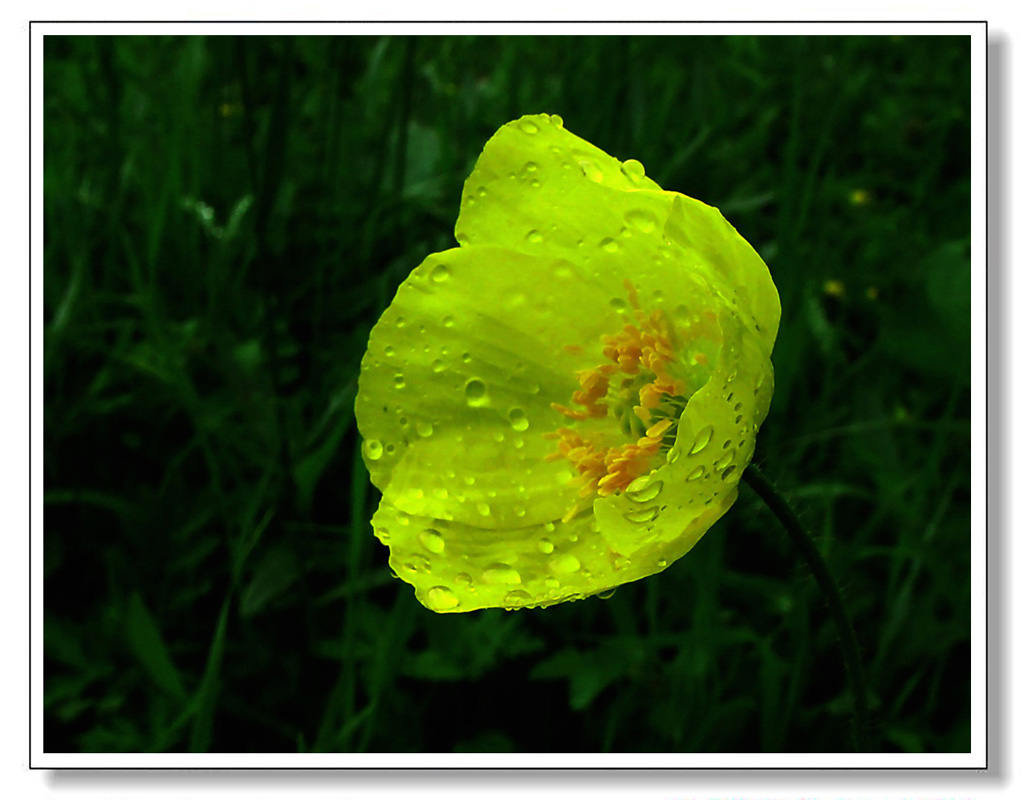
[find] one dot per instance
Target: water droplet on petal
(439, 274)
(464, 579)
(619, 305)
(399, 380)
(643, 515)
(633, 169)
(545, 546)
(609, 245)
(566, 563)
(373, 449)
(535, 237)
(725, 460)
(432, 540)
(517, 597)
(484, 509)
(424, 429)
(389, 351)
(528, 127)
(501, 573)
(607, 594)
(476, 392)
(644, 489)
(517, 417)
(727, 472)
(441, 598)
(529, 166)
(702, 439)
(556, 120)
(591, 170)
(697, 473)
(641, 219)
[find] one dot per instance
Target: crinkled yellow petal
(539, 188)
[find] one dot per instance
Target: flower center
(637, 388)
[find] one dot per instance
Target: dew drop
(641, 219)
(528, 127)
(464, 579)
(662, 563)
(633, 169)
(389, 351)
(432, 541)
(620, 562)
(448, 321)
(545, 546)
(643, 489)
(530, 166)
(673, 456)
(702, 440)
(565, 564)
(643, 515)
(619, 305)
(517, 417)
(484, 509)
(556, 121)
(424, 429)
(417, 563)
(551, 583)
(517, 597)
(591, 170)
(373, 449)
(399, 380)
(609, 245)
(439, 274)
(725, 460)
(441, 598)
(437, 365)
(697, 473)
(607, 594)
(728, 471)
(535, 237)
(400, 322)
(501, 573)
(476, 392)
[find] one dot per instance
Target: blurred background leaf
(226, 217)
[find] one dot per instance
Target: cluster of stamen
(639, 354)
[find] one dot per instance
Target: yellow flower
(566, 401)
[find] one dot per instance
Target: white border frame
(976, 759)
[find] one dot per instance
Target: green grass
(225, 219)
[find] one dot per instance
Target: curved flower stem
(847, 638)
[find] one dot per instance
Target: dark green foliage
(225, 219)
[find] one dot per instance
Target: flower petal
(538, 187)
(456, 567)
(714, 443)
(729, 263)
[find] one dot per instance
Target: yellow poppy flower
(566, 401)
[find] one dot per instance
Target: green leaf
(148, 646)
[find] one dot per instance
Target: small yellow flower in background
(860, 197)
(566, 401)
(834, 288)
